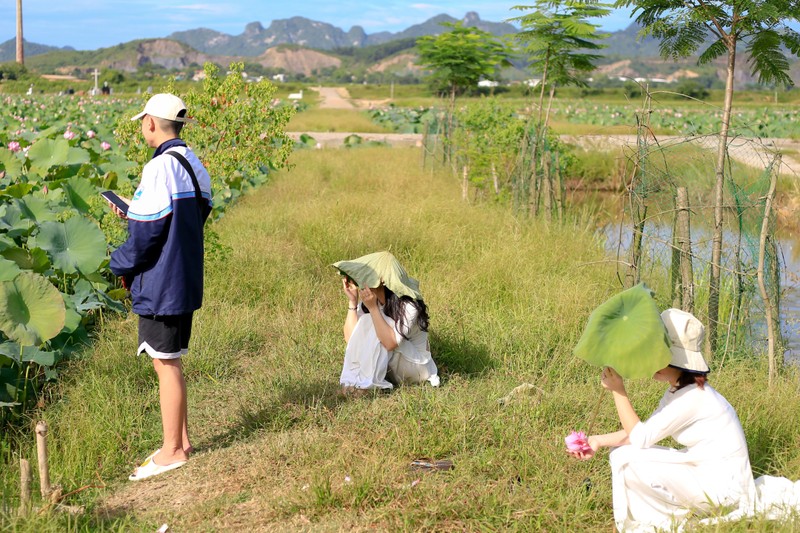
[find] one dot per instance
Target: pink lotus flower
(14, 146)
(90, 134)
(105, 146)
(577, 442)
(69, 135)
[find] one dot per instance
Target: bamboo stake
(41, 451)
(774, 364)
(25, 480)
(684, 242)
(465, 184)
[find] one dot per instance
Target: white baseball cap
(166, 106)
(686, 333)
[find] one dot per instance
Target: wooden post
(41, 451)
(547, 185)
(465, 184)
(774, 363)
(25, 479)
(494, 180)
(562, 190)
(684, 241)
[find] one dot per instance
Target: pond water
(658, 254)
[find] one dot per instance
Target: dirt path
(334, 98)
(756, 153)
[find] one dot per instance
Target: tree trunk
(20, 48)
(716, 239)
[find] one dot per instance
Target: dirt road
(334, 98)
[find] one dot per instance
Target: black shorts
(165, 337)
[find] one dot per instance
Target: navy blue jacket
(162, 259)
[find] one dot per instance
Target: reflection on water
(657, 255)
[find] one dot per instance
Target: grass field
(279, 450)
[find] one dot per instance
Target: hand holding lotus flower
(579, 445)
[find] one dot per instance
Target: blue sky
(92, 24)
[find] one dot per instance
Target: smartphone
(116, 200)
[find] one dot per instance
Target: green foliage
(12, 71)
(487, 140)
(461, 57)
(683, 26)
(378, 52)
(557, 36)
(236, 132)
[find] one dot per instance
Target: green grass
(334, 120)
(279, 449)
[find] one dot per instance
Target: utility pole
(20, 52)
(95, 91)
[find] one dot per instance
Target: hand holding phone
(119, 204)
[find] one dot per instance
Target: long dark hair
(394, 308)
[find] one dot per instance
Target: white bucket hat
(686, 333)
(166, 106)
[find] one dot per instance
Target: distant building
(488, 83)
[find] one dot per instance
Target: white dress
(367, 362)
(657, 488)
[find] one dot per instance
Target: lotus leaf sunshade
(380, 267)
(627, 334)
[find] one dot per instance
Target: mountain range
(307, 33)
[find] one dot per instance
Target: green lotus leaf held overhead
(380, 267)
(31, 309)
(627, 334)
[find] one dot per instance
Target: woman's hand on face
(611, 380)
(351, 290)
(368, 297)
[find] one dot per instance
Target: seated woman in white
(655, 487)
(386, 329)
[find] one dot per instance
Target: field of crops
(56, 155)
(667, 118)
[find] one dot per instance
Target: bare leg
(172, 396)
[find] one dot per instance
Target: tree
(461, 57)
(762, 26)
(557, 36)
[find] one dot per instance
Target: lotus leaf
(72, 319)
(13, 221)
(34, 259)
(75, 245)
(47, 153)
(627, 334)
(37, 209)
(8, 269)
(18, 190)
(31, 309)
(381, 267)
(79, 191)
(11, 350)
(11, 163)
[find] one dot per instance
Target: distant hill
(624, 44)
(126, 57)
(8, 49)
(319, 35)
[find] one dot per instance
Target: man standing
(161, 263)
